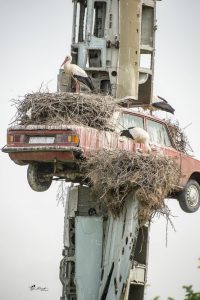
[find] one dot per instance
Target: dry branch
(115, 174)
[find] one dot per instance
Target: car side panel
(189, 165)
(94, 140)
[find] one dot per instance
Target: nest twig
(115, 174)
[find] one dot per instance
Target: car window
(126, 120)
(158, 133)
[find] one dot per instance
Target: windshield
(158, 133)
(125, 121)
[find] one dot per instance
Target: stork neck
(67, 67)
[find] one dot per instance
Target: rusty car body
(53, 152)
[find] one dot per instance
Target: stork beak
(65, 60)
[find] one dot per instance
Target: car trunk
(62, 143)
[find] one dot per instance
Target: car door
(160, 140)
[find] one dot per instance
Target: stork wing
(164, 106)
(76, 70)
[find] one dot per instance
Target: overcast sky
(35, 37)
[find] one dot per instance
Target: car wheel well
(195, 176)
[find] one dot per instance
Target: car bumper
(43, 153)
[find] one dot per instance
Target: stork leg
(78, 86)
(74, 85)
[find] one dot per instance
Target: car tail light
(15, 138)
(10, 138)
(19, 138)
(67, 138)
(74, 138)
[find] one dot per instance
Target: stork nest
(178, 136)
(94, 110)
(113, 175)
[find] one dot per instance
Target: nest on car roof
(115, 174)
(178, 136)
(92, 110)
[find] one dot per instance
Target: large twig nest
(94, 110)
(115, 174)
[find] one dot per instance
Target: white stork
(78, 74)
(139, 135)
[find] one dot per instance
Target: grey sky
(35, 37)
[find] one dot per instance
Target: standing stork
(78, 74)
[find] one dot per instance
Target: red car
(52, 152)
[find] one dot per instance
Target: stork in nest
(77, 73)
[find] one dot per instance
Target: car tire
(37, 179)
(189, 197)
